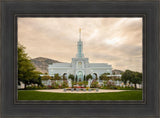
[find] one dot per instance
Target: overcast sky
(116, 41)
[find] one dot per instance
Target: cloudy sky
(117, 41)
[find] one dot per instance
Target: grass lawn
(36, 95)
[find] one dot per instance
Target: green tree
(131, 76)
(56, 76)
(65, 84)
(88, 77)
(94, 84)
(103, 77)
(76, 78)
(71, 76)
(137, 79)
(84, 78)
(26, 70)
(106, 73)
(127, 76)
(36, 79)
(64, 77)
(46, 77)
(138, 74)
(39, 82)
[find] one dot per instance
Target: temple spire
(80, 34)
(80, 47)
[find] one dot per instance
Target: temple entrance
(94, 76)
(79, 76)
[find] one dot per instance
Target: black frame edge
(156, 110)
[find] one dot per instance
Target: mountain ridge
(41, 63)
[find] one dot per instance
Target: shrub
(88, 77)
(113, 87)
(71, 76)
(35, 87)
(73, 83)
(56, 77)
(65, 84)
(103, 77)
(85, 83)
(46, 77)
(94, 84)
(55, 85)
(49, 87)
(80, 83)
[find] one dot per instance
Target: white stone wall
(74, 68)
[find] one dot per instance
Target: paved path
(69, 91)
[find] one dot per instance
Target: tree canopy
(88, 77)
(127, 76)
(56, 76)
(137, 79)
(71, 76)
(26, 70)
(46, 77)
(103, 76)
(132, 77)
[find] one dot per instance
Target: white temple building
(79, 66)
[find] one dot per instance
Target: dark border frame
(148, 108)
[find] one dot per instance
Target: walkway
(69, 91)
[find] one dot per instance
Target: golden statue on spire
(79, 30)
(80, 34)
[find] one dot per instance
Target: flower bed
(80, 88)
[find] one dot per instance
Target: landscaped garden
(64, 84)
(104, 87)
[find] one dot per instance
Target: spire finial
(79, 33)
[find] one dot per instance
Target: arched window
(80, 76)
(80, 73)
(95, 76)
(80, 64)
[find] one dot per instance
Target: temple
(79, 66)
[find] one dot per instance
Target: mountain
(42, 63)
(117, 72)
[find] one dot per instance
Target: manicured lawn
(36, 95)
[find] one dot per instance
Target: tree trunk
(25, 85)
(135, 86)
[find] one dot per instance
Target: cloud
(117, 41)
